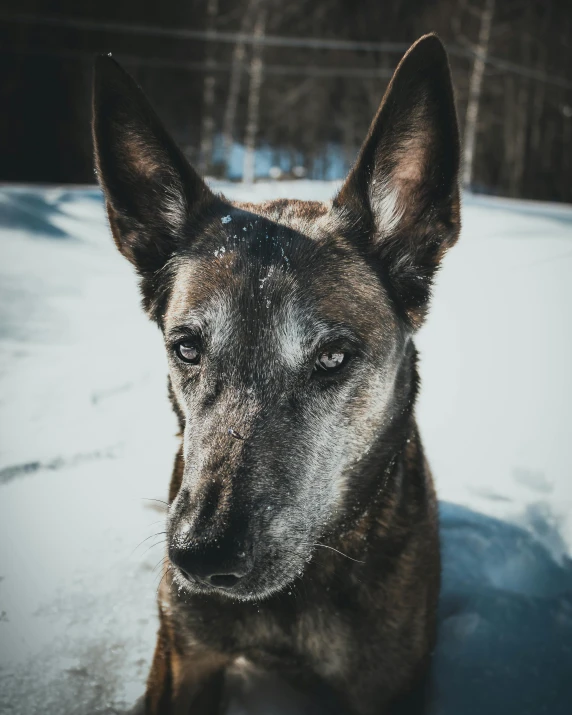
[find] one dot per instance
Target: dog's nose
(218, 563)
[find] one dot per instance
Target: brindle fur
(326, 491)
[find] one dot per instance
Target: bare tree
(209, 87)
(475, 90)
(519, 138)
(252, 115)
(236, 71)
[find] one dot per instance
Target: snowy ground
(87, 439)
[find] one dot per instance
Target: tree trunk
(238, 58)
(566, 169)
(475, 91)
(521, 116)
(252, 115)
(209, 87)
(508, 131)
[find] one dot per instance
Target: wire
(215, 66)
(207, 35)
(279, 41)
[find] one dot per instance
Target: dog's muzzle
(215, 562)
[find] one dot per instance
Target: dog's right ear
(403, 189)
(151, 191)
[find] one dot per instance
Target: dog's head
(287, 324)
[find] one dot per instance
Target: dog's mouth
(225, 585)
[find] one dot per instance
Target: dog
(302, 526)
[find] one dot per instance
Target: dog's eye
(330, 360)
(187, 352)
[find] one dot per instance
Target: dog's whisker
(157, 543)
(160, 533)
(325, 546)
(159, 521)
(161, 581)
(158, 501)
(161, 561)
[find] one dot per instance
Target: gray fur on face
(262, 314)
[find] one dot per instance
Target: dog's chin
(254, 587)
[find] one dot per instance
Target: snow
(88, 438)
(496, 355)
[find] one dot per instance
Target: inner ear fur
(151, 192)
(403, 188)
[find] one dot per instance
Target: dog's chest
(316, 637)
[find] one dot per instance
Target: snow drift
(87, 441)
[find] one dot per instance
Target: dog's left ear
(403, 188)
(151, 191)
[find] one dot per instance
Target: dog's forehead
(283, 263)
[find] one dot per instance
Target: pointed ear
(151, 192)
(403, 188)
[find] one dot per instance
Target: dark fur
(281, 469)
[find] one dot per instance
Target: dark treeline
(306, 106)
